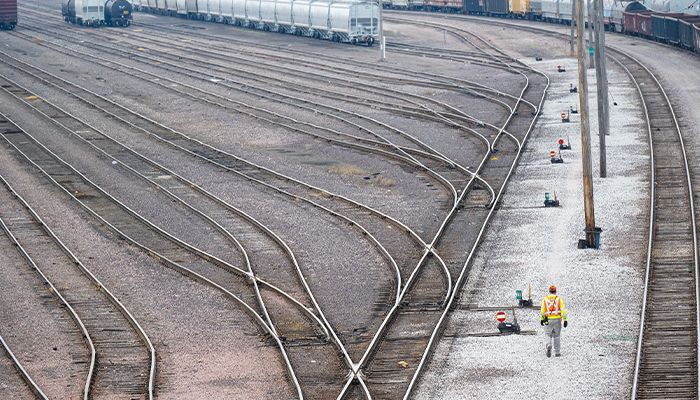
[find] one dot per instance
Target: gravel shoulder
(528, 244)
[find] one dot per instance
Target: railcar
(84, 12)
(497, 8)
(696, 35)
(350, 21)
(439, 5)
(685, 31)
(98, 12)
(664, 27)
(8, 14)
(118, 13)
(476, 7)
(519, 8)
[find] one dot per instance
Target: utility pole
(573, 18)
(382, 41)
(590, 35)
(601, 74)
(585, 128)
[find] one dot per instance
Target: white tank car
(214, 10)
(345, 21)
(84, 12)
(691, 7)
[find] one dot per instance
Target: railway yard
(192, 210)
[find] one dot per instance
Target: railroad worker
(552, 312)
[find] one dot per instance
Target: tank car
(98, 12)
(118, 13)
(8, 14)
(353, 22)
(84, 12)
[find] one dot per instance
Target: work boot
(549, 350)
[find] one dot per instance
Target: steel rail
(382, 91)
(458, 33)
(408, 158)
(232, 268)
(317, 57)
(451, 295)
(384, 216)
(187, 272)
(652, 205)
(652, 189)
(286, 84)
(462, 276)
(98, 284)
(229, 267)
(71, 311)
(23, 372)
(219, 262)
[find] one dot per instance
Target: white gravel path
(531, 244)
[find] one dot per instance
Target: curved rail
(101, 287)
(23, 372)
(652, 261)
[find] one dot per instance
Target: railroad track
(397, 355)
(122, 356)
(667, 352)
(666, 364)
(132, 227)
(435, 269)
(381, 138)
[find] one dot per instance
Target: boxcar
(8, 14)
(475, 7)
(664, 27)
(634, 20)
(696, 34)
(644, 24)
(550, 10)
(535, 11)
(496, 7)
(443, 5)
(519, 8)
(685, 31)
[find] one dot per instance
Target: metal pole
(585, 128)
(601, 74)
(573, 13)
(590, 35)
(382, 42)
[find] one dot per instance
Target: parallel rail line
(126, 222)
(666, 364)
(93, 304)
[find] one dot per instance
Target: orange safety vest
(552, 308)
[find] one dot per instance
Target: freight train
(341, 21)
(8, 14)
(97, 12)
(676, 22)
